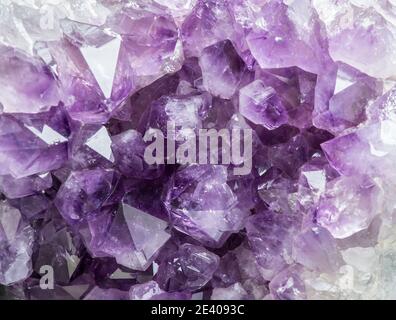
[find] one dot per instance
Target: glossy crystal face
(239, 149)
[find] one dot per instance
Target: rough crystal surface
(202, 205)
(189, 269)
(261, 105)
(86, 86)
(16, 241)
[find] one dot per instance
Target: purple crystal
(270, 236)
(130, 235)
(349, 205)
(151, 291)
(90, 146)
(289, 35)
(83, 193)
(202, 205)
(353, 32)
(145, 291)
(234, 292)
(128, 149)
(252, 275)
(314, 176)
(35, 91)
(353, 91)
(184, 112)
(106, 294)
(228, 272)
(274, 189)
(58, 250)
(81, 54)
(316, 249)
(23, 187)
(287, 285)
(187, 269)
(222, 69)
(34, 205)
(16, 242)
(261, 105)
(33, 144)
(106, 181)
(208, 23)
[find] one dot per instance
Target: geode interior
(82, 82)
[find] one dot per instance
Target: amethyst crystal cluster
(83, 215)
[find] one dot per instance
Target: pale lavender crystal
(98, 293)
(384, 107)
(128, 234)
(27, 83)
(252, 275)
(353, 91)
(92, 89)
(179, 9)
(274, 188)
(83, 193)
(270, 236)
(261, 105)
(23, 24)
(371, 147)
(90, 146)
(234, 292)
(208, 23)
(287, 35)
(16, 244)
(362, 35)
(316, 249)
(349, 205)
(145, 291)
(33, 144)
(287, 285)
(86, 87)
(314, 176)
(128, 148)
(185, 112)
(222, 69)
(202, 205)
(151, 291)
(23, 187)
(369, 150)
(187, 269)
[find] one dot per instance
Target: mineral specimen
(108, 192)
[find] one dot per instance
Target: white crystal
(103, 62)
(101, 143)
(147, 232)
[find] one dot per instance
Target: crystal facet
(197, 149)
